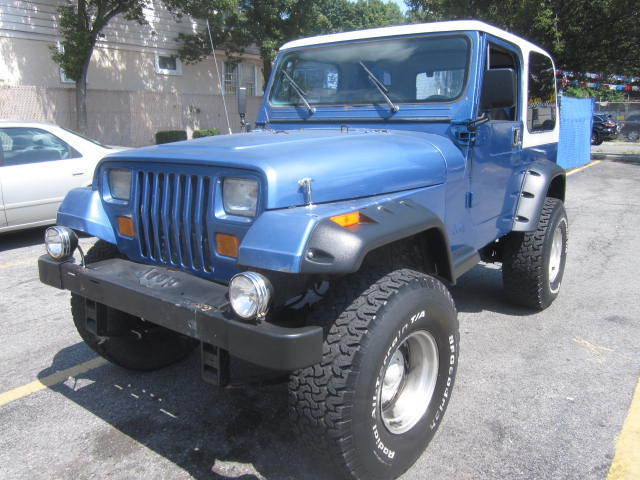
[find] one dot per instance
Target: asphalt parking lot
(538, 396)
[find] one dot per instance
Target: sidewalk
(616, 148)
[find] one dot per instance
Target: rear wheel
(139, 345)
(389, 362)
(595, 139)
(633, 135)
(533, 262)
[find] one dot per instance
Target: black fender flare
(541, 179)
(333, 249)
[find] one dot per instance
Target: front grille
(171, 215)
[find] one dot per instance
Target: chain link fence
(626, 114)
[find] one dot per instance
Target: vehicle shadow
(211, 433)
(22, 238)
(480, 289)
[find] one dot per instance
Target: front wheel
(533, 262)
(389, 363)
(138, 345)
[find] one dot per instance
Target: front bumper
(189, 305)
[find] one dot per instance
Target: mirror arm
(473, 125)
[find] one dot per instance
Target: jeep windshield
(414, 70)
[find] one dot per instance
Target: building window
(239, 74)
(167, 64)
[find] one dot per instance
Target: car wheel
(633, 135)
(533, 262)
(595, 139)
(389, 362)
(137, 345)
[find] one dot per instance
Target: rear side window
(541, 101)
(21, 145)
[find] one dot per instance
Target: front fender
(304, 239)
(82, 210)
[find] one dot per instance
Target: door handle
(516, 136)
(77, 174)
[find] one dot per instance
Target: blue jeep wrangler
(385, 164)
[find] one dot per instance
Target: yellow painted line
(590, 164)
(626, 463)
(18, 262)
(50, 380)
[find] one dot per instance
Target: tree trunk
(266, 69)
(81, 99)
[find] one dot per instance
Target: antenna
(224, 101)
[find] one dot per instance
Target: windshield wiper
(300, 92)
(380, 86)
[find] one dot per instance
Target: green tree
(583, 35)
(270, 23)
(80, 24)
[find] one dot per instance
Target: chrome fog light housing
(249, 295)
(60, 242)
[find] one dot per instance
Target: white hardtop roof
(450, 26)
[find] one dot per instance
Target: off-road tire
(526, 257)
(141, 345)
(335, 403)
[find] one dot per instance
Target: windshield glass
(412, 70)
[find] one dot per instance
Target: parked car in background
(604, 128)
(630, 128)
(39, 164)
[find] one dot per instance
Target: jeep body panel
(463, 182)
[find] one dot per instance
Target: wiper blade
(380, 86)
(299, 91)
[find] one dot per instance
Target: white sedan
(39, 164)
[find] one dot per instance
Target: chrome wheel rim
(408, 382)
(555, 258)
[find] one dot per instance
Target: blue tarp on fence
(576, 117)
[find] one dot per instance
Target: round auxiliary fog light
(249, 294)
(60, 242)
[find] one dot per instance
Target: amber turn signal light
(347, 219)
(227, 245)
(125, 226)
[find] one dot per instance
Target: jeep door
(495, 157)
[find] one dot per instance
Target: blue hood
(345, 165)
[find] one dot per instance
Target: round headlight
(60, 242)
(249, 294)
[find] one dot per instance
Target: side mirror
(242, 101)
(498, 89)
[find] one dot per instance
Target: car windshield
(92, 140)
(412, 70)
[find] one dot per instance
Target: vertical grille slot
(172, 211)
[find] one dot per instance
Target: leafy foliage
(236, 24)
(168, 136)
(207, 132)
(599, 95)
(80, 24)
(583, 35)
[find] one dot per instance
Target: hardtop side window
(23, 145)
(541, 100)
(500, 57)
